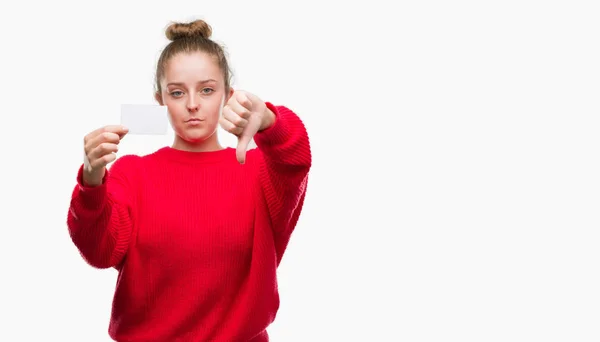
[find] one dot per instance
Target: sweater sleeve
(286, 161)
(99, 218)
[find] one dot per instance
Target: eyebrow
(200, 82)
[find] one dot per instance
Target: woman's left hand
(243, 116)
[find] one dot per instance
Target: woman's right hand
(100, 147)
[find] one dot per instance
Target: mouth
(194, 120)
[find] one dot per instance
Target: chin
(195, 139)
(197, 136)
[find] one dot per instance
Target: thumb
(245, 138)
(242, 147)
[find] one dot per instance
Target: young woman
(195, 230)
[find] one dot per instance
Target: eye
(176, 93)
(207, 90)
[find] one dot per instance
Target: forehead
(192, 67)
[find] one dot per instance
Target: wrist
(268, 119)
(93, 178)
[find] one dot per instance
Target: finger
(101, 162)
(102, 150)
(241, 109)
(242, 147)
(243, 100)
(244, 140)
(104, 137)
(229, 127)
(230, 115)
(119, 130)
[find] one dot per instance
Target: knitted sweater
(195, 236)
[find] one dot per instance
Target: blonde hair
(192, 37)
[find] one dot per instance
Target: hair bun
(197, 28)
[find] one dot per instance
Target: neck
(208, 145)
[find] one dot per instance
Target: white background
(455, 188)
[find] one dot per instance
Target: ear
(158, 98)
(231, 91)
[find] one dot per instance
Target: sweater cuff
(277, 133)
(92, 196)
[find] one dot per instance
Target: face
(193, 89)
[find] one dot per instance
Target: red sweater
(196, 237)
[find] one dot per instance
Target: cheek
(173, 107)
(212, 110)
(176, 112)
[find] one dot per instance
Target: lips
(194, 120)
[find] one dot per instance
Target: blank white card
(145, 119)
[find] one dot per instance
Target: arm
(99, 217)
(286, 161)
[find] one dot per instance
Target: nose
(193, 104)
